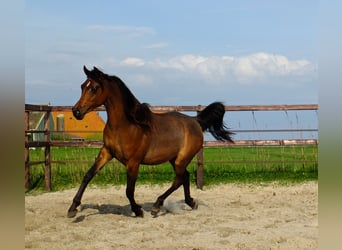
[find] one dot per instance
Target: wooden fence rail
(48, 143)
(30, 107)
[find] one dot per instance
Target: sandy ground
(228, 217)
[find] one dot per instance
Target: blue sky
(175, 52)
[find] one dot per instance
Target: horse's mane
(136, 112)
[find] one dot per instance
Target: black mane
(136, 112)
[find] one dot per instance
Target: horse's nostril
(76, 112)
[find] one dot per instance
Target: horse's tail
(211, 119)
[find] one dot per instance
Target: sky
(175, 52)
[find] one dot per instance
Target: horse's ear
(98, 74)
(86, 71)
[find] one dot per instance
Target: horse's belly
(160, 154)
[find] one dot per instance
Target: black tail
(211, 119)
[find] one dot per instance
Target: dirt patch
(228, 217)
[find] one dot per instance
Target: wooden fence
(47, 143)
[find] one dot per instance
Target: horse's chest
(125, 147)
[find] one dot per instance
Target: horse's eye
(94, 89)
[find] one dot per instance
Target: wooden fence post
(27, 150)
(47, 151)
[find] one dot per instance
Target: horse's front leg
(103, 157)
(132, 174)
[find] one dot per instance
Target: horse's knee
(88, 176)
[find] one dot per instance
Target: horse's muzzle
(77, 113)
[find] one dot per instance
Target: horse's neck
(115, 111)
(115, 107)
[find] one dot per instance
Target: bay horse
(135, 135)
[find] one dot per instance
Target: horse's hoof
(154, 212)
(72, 213)
(139, 213)
(194, 204)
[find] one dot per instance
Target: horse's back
(176, 125)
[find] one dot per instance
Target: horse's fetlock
(76, 202)
(160, 202)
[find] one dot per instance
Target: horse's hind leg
(182, 178)
(186, 184)
(178, 181)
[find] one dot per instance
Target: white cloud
(182, 63)
(133, 61)
(247, 69)
(261, 65)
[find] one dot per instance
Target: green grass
(265, 164)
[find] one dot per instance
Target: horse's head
(93, 93)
